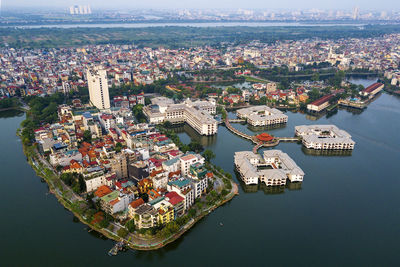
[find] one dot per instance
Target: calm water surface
(345, 212)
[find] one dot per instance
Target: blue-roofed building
(180, 183)
(87, 115)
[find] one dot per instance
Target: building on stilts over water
(273, 168)
(324, 137)
(262, 116)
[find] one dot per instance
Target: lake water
(345, 212)
(365, 81)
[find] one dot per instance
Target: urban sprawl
(133, 169)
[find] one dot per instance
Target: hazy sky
(250, 4)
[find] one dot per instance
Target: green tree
(195, 146)
(118, 147)
(208, 155)
(130, 225)
(314, 94)
(315, 77)
(87, 136)
(167, 124)
(122, 232)
(59, 168)
(138, 113)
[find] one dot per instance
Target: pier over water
(258, 143)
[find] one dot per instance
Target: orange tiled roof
(115, 201)
(136, 203)
(102, 191)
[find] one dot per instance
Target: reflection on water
(315, 116)
(331, 113)
(294, 186)
(97, 235)
(355, 111)
(265, 128)
(11, 113)
(333, 153)
(268, 190)
(193, 135)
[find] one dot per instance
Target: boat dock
(117, 247)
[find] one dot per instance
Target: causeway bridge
(258, 143)
(233, 121)
(236, 131)
(289, 139)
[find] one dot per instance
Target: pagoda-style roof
(264, 137)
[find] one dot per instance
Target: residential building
(177, 202)
(183, 187)
(98, 87)
(93, 182)
(119, 165)
(145, 216)
(189, 159)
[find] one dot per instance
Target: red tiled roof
(322, 100)
(264, 137)
(174, 198)
(102, 191)
(137, 203)
(372, 87)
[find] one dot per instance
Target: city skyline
(208, 4)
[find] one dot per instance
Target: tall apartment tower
(98, 87)
(356, 13)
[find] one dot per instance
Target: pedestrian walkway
(257, 142)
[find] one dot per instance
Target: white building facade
(98, 88)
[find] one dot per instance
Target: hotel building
(262, 116)
(372, 90)
(197, 114)
(319, 104)
(273, 169)
(324, 137)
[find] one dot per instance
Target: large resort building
(273, 169)
(262, 116)
(197, 114)
(372, 90)
(320, 104)
(324, 137)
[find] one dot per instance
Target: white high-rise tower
(98, 87)
(356, 13)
